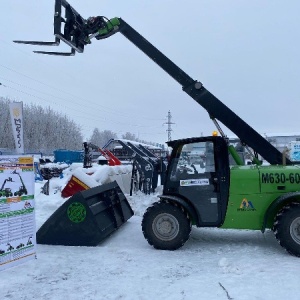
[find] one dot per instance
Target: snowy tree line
(100, 138)
(46, 130)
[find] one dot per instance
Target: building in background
(281, 141)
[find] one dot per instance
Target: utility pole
(169, 123)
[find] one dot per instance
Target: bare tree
(6, 135)
(100, 138)
(129, 136)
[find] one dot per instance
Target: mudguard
(276, 205)
(188, 207)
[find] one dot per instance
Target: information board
(17, 210)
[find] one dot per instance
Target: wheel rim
(295, 230)
(165, 227)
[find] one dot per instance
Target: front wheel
(166, 226)
(287, 228)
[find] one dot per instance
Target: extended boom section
(215, 108)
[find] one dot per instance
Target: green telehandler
(22, 189)
(213, 194)
(6, 192)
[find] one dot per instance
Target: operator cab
(198, 173)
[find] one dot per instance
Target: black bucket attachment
(87, 218)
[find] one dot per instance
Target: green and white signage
(17, 210)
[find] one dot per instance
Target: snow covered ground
(213, 264)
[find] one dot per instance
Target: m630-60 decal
(280, 178)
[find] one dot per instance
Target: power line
(106, 109)
(93, 116)
(91, 112)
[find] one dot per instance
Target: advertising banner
(17, 210)
(16, 116)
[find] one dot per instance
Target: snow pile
(100, 174)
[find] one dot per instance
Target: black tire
(287, 228)
(166, 226)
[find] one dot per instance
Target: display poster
(17, 210)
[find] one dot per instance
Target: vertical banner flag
(16, 116)
(17, 210)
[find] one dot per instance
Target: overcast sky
(245, 52)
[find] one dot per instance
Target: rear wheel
(166, 226)
(287, 228)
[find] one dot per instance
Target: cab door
(199, 173)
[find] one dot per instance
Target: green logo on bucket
(76, 212)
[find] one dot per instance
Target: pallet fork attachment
(72, 25)
(73, 29)
(55, 43)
